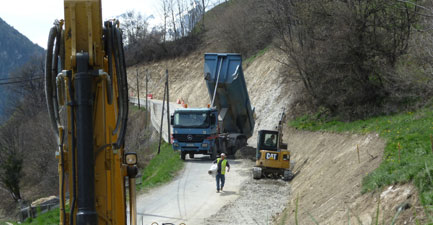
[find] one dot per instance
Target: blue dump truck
(226, 125)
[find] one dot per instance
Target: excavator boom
(87, 100)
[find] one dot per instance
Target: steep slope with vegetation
(406, 160)
(28, 168)
(339, 61)
(15, 51)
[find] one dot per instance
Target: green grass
(49, 218)
(161, 169)
(410, 130)
(134, 108)
(258, 54)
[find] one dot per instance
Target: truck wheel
(182, 155)
(257, 172)
(239, 143)
(191, 155)
(213, 154)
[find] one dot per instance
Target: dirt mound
(246, 152)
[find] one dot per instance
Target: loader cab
(271, 152)
(267, 140)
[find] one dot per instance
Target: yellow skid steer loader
(273, 158)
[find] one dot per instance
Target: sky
(34, 18)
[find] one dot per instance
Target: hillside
(268, 89)
(15, 51)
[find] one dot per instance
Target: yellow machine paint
(273, 158)
(86, 100)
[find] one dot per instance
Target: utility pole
(168, 107)
(147, 106)
(138, 90)
(162, 119)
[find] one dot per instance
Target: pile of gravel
(246, 152)
(260, 201)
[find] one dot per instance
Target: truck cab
(226, 125)
(195, 131)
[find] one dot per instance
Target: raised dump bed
(231, 95)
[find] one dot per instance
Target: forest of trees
(357, 58)
(179, 33)
(27, 144)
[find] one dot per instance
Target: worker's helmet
(223, 154)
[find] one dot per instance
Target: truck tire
(237, 146)
(191, 155)
(182, 155)
(213, 154)
(257, 172)
(239, 143)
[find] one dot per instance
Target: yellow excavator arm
(87, 98)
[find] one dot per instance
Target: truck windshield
(191, 119)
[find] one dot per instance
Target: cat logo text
(273, 156)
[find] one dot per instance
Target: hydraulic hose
(51, 69)
(123, 90)
(114, 39)
(108, 48)
(48, 81)
(55, 70)
(55, 44)
(114, 48)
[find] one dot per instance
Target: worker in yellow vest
(221, 171)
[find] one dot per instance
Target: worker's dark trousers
(221, 177)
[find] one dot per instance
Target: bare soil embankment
(328, 186)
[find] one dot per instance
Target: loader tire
(288, 175)
(182, 155)
(257, 172)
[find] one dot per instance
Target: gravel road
(258, 203)
(191, 197)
